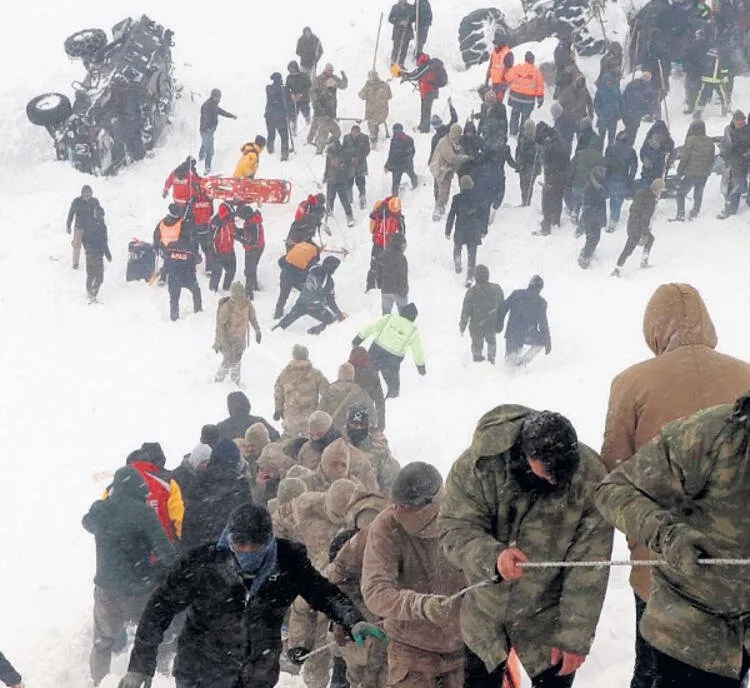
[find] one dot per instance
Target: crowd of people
(312, 545)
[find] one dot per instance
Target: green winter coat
(641, 212)
(396, 335)
(484, 511)
(479, 312)
(584, 161)
(697, 159)
(696, 472)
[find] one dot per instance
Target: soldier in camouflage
(685, 495)
(524, 491)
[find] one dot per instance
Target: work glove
(539, 101)
(297, 655)
(342, 316)
(277, 415)
(133, 679)
(362, 630)
(68, 230)
(258, 337)
(447, 235)
(422, 370)
(548, 349)
(216, 347)
(682, 547)
(435, 609)
(164, 193)
(109, 258)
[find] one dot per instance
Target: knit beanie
(226, 452)
(555, 110)
(289, 488)
(200, 454)
(300, 353)
(319, 423)
(153, 453)
(346, 372)
(482, 274)
(738, 116)
(250, 524)
(257, 435)
(338, 450)
(416, 484)
(466, 183)
(337, 499)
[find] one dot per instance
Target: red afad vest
(203, 210)
(385, 228)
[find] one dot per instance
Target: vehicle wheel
(49, 109)
(85, 42)
(475, 34)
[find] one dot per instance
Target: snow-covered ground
(82, 385)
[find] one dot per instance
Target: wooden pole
(664, 91)
(377, 43)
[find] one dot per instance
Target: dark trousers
(252, 258)
(203, 241)
(527, 181)
(400, 47)
(400, 172)
(607, 129)
(697, 185)
(422, 32)
(301, 107)
(222, 263)
(274, 126)
(175, 287)
(197, 682)
(631, 243)
(631, 124)
(518, 116)
(317, 311)
(593, 235)
(290, 278)
(672, 673)
(376, 252)
(426, 112)
(360, 182)
(552, 200)
(477, 676)
(471, 252)
(94, 271)
(644, 669)
(340, 189)
(737, 187)
(389, 366)
(478, 342)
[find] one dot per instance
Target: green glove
(362, 630)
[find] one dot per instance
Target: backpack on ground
(141, 261)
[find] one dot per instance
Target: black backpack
(438, 70)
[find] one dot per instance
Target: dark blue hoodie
(608, 99)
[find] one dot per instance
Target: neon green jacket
(396, 334)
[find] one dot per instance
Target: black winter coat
(556, 162)
(278, 104)
(299, 84)
(94, 239)
(489, 175)
(210, 112)
(392, 270)
(218, 489)
(639, 99)
(227, 632)
(621, 162)
(319, 290)
(402, 13)
(527, 319)
(594, 209)
(181, 260)
(400, 153)
(127, 532)
(357, 149)
(566, 125)
(339, 165)
(468, 221)
(82, 212)
(8, 675)
(238, 424)
(528, 156)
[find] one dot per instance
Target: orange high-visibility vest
(169, 233)
(497, 65)
(301, 255)
(526, 80)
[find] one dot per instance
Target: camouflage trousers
(366, 667)
(409, 667)
(232, 362)
(316, 670)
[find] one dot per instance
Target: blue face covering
(250, 562)
(261, 564)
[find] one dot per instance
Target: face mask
(250, 562)
(357, 435)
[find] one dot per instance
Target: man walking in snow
(400, 159)
(523, 491)
(233, 317)
(96, 246)
(376, 93)
(527, 324)
(210, 113)
(82, 211)
(279, 108)
(236, 592)
(402, 17)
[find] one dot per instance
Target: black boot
(338, 677)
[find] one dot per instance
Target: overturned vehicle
(121, 107)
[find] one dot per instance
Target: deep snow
(84, 384)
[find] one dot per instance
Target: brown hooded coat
(685, 376)
(297, 394)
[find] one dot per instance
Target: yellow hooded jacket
(248, 163)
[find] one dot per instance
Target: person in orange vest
(294, 266)
(167, 232)
(224, 232)
(501, 60)
(526, 85)
(386, 219)
(183, 181)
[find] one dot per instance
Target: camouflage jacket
(384, 465)
(484, 511)
(696, 472)
(297, 394)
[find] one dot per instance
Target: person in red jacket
(183, 181)
(386, 219)
(201, 210)
(428, 75)
(253, 239)
(224, 232)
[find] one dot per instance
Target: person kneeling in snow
(317, 299)
(236, 592)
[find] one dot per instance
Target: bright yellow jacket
(248, 163)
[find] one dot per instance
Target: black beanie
(250, 524)
(550, 437)
(416, 485)
(409, 311)
(153, 453)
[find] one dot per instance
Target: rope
(624, 562)
(471, 588)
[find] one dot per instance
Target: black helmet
(330, 264)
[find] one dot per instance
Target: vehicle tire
(475, 34)
(49, 109)
(85, 42)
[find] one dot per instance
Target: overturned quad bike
(121, 107)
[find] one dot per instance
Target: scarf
(256, 567)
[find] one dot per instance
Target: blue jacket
(608, 100)
(277, 103)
